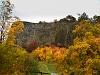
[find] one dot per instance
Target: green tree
(70, 18)
(60, 36)
(83, 17)
(96, 18)
(31, 66)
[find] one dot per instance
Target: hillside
(47, 33)
(44, 33)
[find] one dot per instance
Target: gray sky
(48, 10)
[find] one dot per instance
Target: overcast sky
(48, 10)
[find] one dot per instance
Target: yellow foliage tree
(83, 57)
(12, 57)
(16, 28)
(54, 55)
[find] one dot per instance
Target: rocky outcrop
(45, 33)
(39, 32)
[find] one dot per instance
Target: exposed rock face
(39, 32)
(45, 33)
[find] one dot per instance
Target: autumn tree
(12, 60)
(15, 29)
(12, 57)
(86, 27)
(54, 55)
(5, 18)
(32, 46)
(82, 58)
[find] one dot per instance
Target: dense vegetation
(81, 57)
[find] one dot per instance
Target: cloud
(46, 9)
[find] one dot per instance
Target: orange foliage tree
(54, 55)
